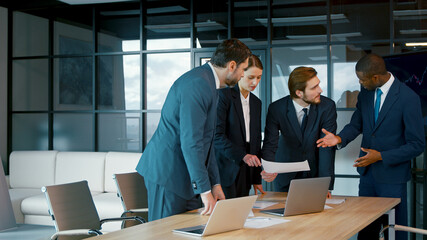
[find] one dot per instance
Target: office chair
(74, 213)
(402, 228)
(133, 195)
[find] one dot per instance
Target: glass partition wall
(94, 77)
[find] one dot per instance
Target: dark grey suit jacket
(180, 156)
(292, 146)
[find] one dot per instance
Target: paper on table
(251, 214)
(335, 200)
(262, 222)
(278, 167)
(263, 204)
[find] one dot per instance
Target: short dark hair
(371, 64)
(298, 79)
(254, 61)
(230, 50)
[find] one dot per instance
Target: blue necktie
(304, 120)
(377, 104)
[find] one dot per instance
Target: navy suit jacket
(230, 136)
(292, 146)
(398, 133)
(180, 156)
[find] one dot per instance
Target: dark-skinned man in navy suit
(388, 115)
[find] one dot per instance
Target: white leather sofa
(31, 170)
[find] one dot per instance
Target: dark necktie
(304, 120)
(377, 104)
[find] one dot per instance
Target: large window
(95, 77)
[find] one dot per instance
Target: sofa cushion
(119, 162)
(17, 196)
(35, 205)
(108, 205)
(77, 166)
(32, 169)
(39, 220)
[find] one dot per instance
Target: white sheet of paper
(251, 214)
(263, 222)
(263, 204)
(278, 167)
(335, 200)
(327, 207)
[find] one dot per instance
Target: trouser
(241, 185)
(163, 203)
(368, 187)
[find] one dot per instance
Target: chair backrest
(131, 190)
(71, 206)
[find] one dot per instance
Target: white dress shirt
(217, 83)
(246, 115)
(385, 89)
(299, 111)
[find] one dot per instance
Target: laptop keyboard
(277, 210)
(197, 231)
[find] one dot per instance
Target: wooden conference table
(341, 222)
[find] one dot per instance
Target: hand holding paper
(278, 167)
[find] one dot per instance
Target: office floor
(28, 232)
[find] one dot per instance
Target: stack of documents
(279, 167)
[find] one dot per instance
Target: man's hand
(209, 203)
(268, 177)
(371, 156)
(252, 160)
(258, 187)
(217, 193)
(329, 196)
(329, 140)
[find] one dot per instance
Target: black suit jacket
(230, 136)
(292, 146)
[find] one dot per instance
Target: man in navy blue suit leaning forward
(294, 124)
(179, 162)
(388, 114)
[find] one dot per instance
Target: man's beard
(311, 102)
(231, 82)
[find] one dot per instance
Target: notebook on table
(228, 215)
(305, 196)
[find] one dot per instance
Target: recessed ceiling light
(415, 44)
(77, 2)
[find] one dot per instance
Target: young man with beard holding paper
(294, 124)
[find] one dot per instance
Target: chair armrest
(75, 232)
(138, 210)
(135, 218)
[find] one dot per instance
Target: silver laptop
(305, 196)
(227, 215)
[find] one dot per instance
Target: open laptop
(305, 196)
(227, 215)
